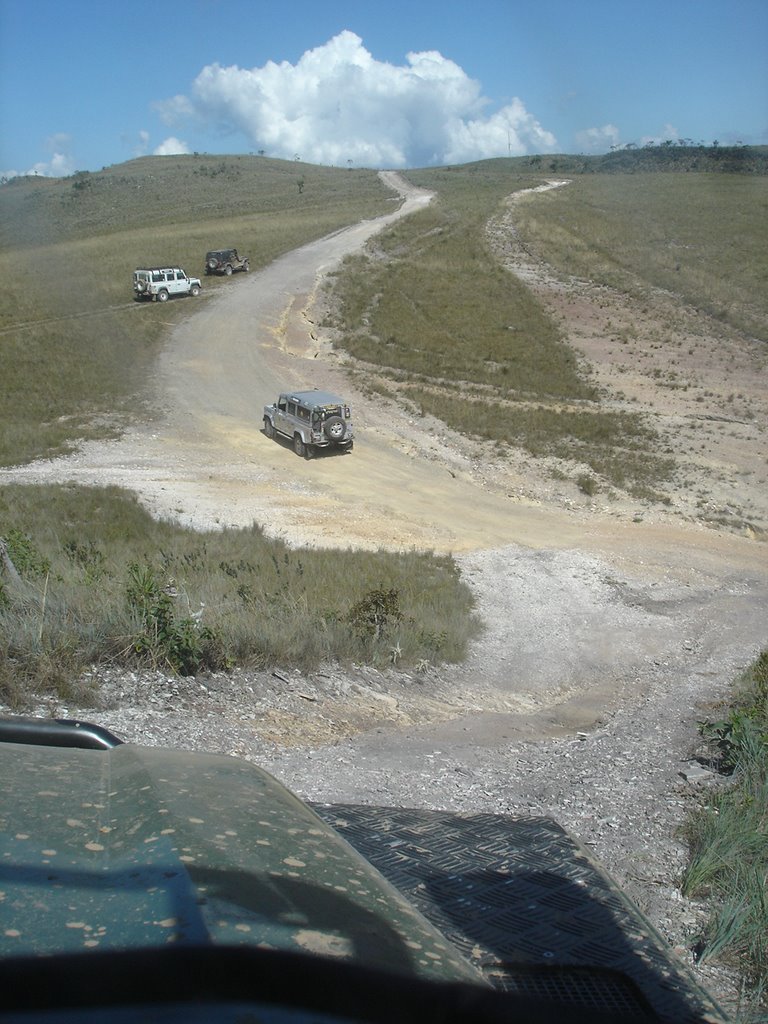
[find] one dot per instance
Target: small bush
(375, 616)
(727, 836)
(587, 484)
(182, 644)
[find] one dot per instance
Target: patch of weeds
(25, 556)
(376, 614)
(88, 558)
(587, 484)
(182, 644)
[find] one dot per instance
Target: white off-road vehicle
(312, 420)
(160, 283)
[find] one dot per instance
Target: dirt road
(579, 594)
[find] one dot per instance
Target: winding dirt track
(579, 597)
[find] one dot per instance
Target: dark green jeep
(142, 884)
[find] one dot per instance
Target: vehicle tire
(228, 270)
(162, 296)
(269, 430)
(335, 428)
(195, 289)
(211, 265)
(141, 286)
(299, 447)
(246, 267)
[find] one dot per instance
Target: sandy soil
(612, 625)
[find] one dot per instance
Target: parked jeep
(160, 283)
(312, 420)
(225, 261)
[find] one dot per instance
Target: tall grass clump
(728, 837)
(90, 578)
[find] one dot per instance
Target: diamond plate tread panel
(528, 906)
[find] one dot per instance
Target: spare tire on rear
(335, 428)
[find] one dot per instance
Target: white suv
(312, 420)
(160, 283)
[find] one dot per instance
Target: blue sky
(86, 84)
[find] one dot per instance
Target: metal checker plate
(529, 906)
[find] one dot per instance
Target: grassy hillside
(699, 236)
(93, 569)
(167, 191)
(429, 294)
(77, 349)
(430, 309)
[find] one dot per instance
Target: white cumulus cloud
(338, 104)
(597, 140)
(60, 164)
(170, 147)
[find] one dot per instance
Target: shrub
(182, 644)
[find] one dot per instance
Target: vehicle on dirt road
(225, 261)
(162, 283)
(144, 883)
(312, 420)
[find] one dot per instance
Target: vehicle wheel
(141, 286)
(246, 266)
(269, 430)
(194, 290)
(162, 296)
(211, 264)
(298, 446)
(334, 428)
(228, 271)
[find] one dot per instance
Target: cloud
(597, 140)
(59, 165)
(338, 104)
(170, 147)
(668, 134)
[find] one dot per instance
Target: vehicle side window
(282, 405)
(302, 413)
(157, 276)
(180, 275)
(291, 408)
